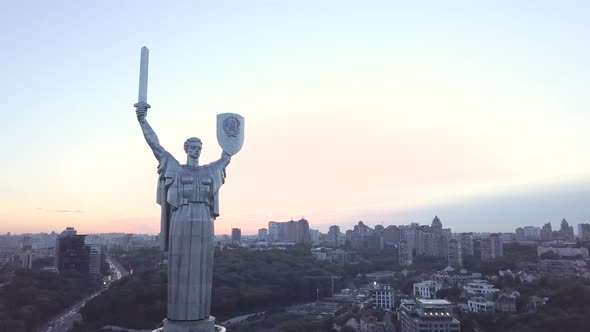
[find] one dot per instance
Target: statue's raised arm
(149, 134)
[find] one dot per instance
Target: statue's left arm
(225, 159)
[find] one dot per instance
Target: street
(65, 321)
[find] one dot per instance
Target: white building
(262, 234)
(427, 289)
(480, 287)
(563, 252)
(480, 304)
(427, 316)
(383, 297)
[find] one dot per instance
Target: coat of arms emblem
(230, 132)
(231, 126)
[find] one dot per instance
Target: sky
(383, 111)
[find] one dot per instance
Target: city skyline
(378, 112)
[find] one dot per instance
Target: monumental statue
(189, 199)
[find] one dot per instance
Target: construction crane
(317, 291)
(331, 276)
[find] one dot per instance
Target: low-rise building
(424, 315)
(450, 277)
(563, 268)
(383, 296)
(427, 289)
(480, 304)
(563, 251)
(480, 288)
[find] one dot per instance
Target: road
(65, 321)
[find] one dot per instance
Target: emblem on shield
(230, 132)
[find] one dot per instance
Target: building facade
(262, 234)
(289, 232)
(492, 247)
(480, 288)
(236, 235)
(383, 296)
(427, 289)
(480, 304)
(546, 232)
(454, 252)
(584, 231)
(427, 316)
(333, 236)
(405, 253)
(466, 244)
(71, 253)
(391, 234)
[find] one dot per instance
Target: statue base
(203, 325)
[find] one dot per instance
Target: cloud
(69, 211)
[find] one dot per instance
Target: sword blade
(143, 74)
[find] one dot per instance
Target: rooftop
(433, 302)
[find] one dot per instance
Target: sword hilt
(142, 104)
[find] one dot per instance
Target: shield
(230, 132)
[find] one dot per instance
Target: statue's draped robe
(189, 199)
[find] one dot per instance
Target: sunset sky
(381, 111)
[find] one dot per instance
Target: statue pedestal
(203, 325)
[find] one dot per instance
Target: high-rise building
(95, 255)
(467, 244)
(405, 253)
(532, 233)
(367, 241)
(71, 253)
(436, 226)
(422, 315)
(420, 238)
(333, 236)
(492, 247)
(546, 232)
(508, 237)
(290, 231)
(315, 236)
(361, 228)
(584, 231)
(273, 231)
(236, 235)
(520, 234)
(391, 234)
(363, 237)
(26, 259)
(447, 232)
(454, 253)
(262, 234)
(408, 233)
(566, 231)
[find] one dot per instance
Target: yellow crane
(331, 276)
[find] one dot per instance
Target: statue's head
(192, 147)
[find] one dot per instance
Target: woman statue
(188, 195)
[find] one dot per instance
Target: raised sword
(143, 77)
